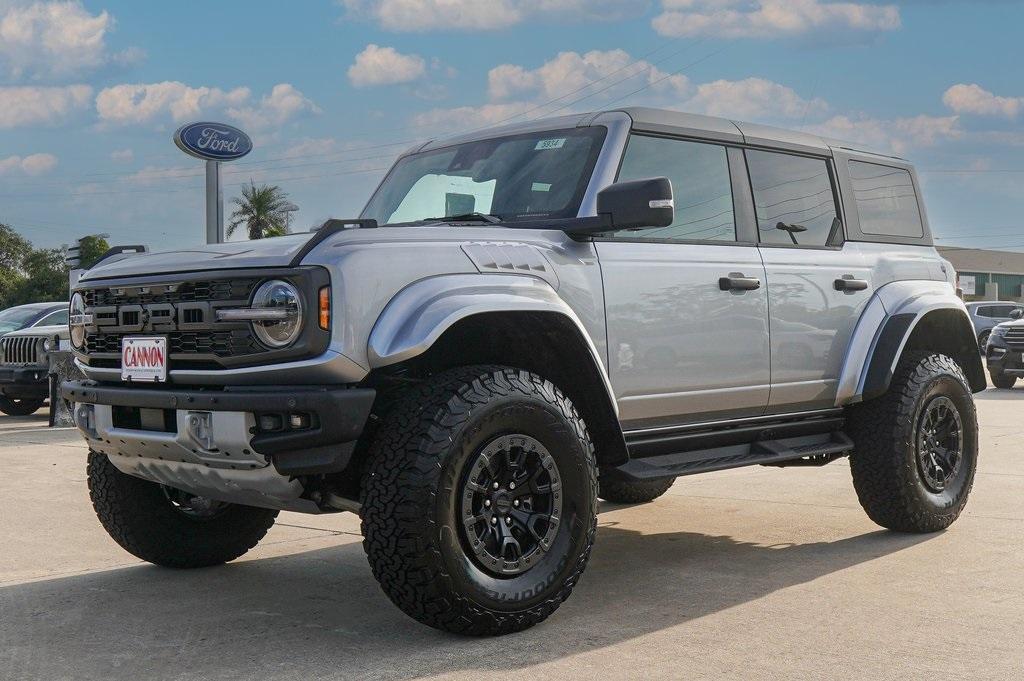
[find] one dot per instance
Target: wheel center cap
(502, 503)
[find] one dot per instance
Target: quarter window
(794, 199)
(886, 200)
(700, 186)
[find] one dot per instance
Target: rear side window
(700, 186)
(794, 199)
(886, 200)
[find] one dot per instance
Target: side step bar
(799, 451)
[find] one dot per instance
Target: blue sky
(91, 92)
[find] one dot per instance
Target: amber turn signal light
(325, 308)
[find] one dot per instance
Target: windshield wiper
(482, 217)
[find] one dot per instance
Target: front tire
(20, 407)
(1001, 380)
(916, 447)
(168, 527)
(628, 492)
(479, 507)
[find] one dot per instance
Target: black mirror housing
(1016, 314)
(639, 203)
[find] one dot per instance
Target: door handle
(739, 283)
(845, 284)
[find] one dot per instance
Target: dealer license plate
(144, 359)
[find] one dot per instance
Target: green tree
(265, 211)
(90, 249)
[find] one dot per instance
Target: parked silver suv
(521, 321)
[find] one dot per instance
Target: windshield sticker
(541, 187)
(557, 143)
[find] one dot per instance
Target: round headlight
(77, 321)
(278, 295)
(46, 345)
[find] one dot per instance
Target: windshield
(521, 177)
(15, 318)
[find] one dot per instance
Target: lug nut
(495, 485)
(515, 502)
(487, 502)
(494, 520)
(511, 485)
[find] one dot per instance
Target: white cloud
(378, 65)
(771, 18)
(122, 155)
(896, 135)
(27, 105)
(34, 164)
(572, 72)
(753, 98)
(146, 102)
(282, 104)
(139, 103)
(974, 99)
(447, 15)
(55, 39)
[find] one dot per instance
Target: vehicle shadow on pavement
(320, 613)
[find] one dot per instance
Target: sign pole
(214, 204)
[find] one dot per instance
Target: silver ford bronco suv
(524, 320)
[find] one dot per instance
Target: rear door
(817, 284)
(686, 304)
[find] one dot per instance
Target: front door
(686, 305)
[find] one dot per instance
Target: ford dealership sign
(212, 141)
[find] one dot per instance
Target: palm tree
(265, 211)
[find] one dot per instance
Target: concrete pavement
(756, 573)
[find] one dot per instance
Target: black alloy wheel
(511, 504)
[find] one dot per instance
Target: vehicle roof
(678, 123)
(976, 303)
(37, 306)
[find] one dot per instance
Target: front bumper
(1002, 358)
(224, 429)
(24, 382)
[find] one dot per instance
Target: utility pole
(214, 204)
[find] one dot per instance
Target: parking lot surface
(756, 573)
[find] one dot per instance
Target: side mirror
(1016, 313)
(640, 203)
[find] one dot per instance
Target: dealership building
(987, 275)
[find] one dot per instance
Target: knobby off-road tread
(399, 494)
(25, 407)
(884, 474)
(626, 492)
(138, 516)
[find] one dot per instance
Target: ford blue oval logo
(212, 141)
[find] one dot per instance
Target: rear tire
(465, 461)
(627, 492)
(151, 521)
(20, 407)
(1001, 380)
(916, 447)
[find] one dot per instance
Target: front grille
(23, 350)
(183, 309)
(237, 290)
(1015, 336)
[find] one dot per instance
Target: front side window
(520, 177)
(794, 199)
(58, 318)
(701, 187)
(886, 200)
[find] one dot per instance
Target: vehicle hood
(275, 252)
(1015, 324)
(57, 330)
(280, 251)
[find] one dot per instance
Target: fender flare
(420, 313)
(882, 332)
